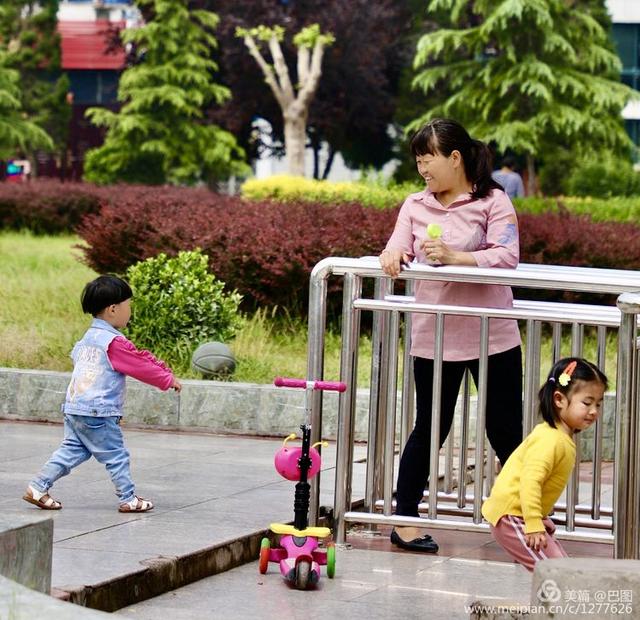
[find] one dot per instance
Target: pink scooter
(298, 555)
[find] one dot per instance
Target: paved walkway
(212, 490)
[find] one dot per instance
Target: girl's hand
(176, 385)
(536, 540)
(390, 261)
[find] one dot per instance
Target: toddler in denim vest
(94, 402)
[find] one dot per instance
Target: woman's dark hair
(584, 371)
(102, 292)
(444, 135)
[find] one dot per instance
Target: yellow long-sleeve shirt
(533, 478)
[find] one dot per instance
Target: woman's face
(438, 171)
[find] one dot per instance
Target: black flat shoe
(424, 544)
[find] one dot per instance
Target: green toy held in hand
(434, 231)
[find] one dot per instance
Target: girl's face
(581, 407)
(439, 171)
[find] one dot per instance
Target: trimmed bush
(47, 207)
(615, 209)
(563, 238)
(265, 250)
(295, 189)
(177, 305)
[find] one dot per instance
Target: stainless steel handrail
(576, 279)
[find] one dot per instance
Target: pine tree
(17, 134)
(160, 134)
(526, 74)
(28, 33)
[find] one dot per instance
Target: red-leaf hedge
(47, 206)
(265, 250)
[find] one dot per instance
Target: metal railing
(461, 509)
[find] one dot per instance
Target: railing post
(627, 459)
(315, 367)
(346, 404)
(377, 397)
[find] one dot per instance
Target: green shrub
(177, 305)
(294, 189)
(602, 177)
(614, 209)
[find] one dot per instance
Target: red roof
(84, 45)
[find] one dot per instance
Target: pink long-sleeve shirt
(139, 364)
(488, 228)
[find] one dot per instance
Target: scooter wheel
(302, 575)
(265, 547)
(331, 560)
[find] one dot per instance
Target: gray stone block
(20, 603)
(586, 587)
(8, 393)
(26, 551)
(148, 405)
(225, 407)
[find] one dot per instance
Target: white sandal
(137, 504)
(41, 500)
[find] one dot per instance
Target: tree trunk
(316, 158)
(327, 166)
(531, 176)
(295, 138)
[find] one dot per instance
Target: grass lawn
(41, 319)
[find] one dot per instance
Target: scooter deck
(289, 530)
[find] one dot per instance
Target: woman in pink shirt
(478, 227)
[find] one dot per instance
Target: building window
(627, 40)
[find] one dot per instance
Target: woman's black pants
(503, 419)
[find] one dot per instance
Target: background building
(625, 15)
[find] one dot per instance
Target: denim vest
(96, 389)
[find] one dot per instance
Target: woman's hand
(536, 540)
(390, 261)
(437, 252)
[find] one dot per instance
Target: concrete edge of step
(162, 574)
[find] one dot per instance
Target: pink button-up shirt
(488, 228)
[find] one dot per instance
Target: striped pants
(509, 534)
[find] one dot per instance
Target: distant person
(510, 180)
(94, 402)
(537, 472)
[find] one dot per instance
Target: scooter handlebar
(333, 386)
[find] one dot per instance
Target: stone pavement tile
(207, 489)
(368, 584)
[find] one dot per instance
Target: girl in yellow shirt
(536, 473)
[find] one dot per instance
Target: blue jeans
(84, 437)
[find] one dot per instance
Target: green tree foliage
(16, 132)
(527, 75)
(29, 36)
(160, 135)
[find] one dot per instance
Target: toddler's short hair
(103, 292)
